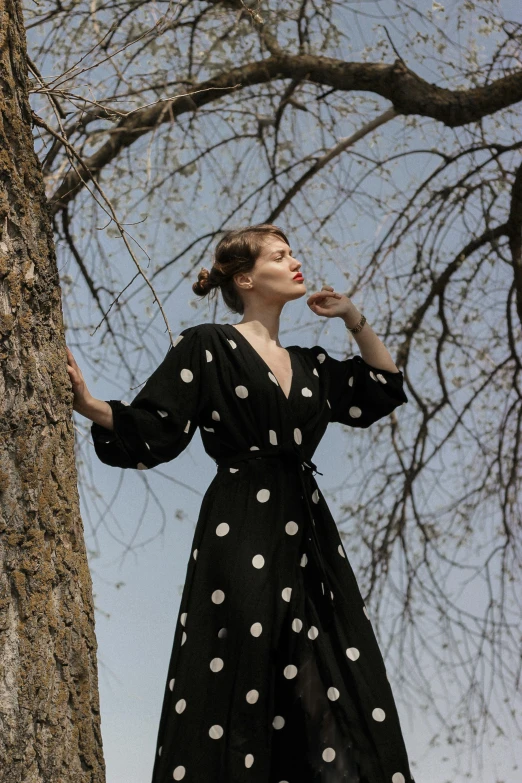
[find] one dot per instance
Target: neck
(262, 325)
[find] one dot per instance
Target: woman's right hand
(82, 396)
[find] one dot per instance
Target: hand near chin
(330, 304)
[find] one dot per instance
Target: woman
(275, 674)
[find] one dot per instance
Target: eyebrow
(281, 250)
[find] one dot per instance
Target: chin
(301, 292)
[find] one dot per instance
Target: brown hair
(236, 251)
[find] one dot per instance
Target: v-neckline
(268, 366)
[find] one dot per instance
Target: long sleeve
(358, 393)
(161, 420)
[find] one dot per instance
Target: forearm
(372, 349)
(98, 411)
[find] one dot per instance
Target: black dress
(275, 675)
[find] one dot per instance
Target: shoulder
(201, 330)
(315, 353)
(191, 334)
(197, 338)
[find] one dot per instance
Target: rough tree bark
(49, 707)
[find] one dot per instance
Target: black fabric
(262, 687)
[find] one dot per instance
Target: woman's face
(273, 274)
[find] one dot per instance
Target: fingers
(323, 295)
(70, 358)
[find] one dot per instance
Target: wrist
(352, 319)
(86, 405)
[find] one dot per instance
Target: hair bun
(202, 287)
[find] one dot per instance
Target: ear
(243, 280)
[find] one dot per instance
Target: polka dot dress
(275, 674)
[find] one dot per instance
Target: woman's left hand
(330, 304)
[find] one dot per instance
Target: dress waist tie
(291, 453)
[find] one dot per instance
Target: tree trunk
(49, 707)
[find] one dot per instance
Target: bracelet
(358, 327)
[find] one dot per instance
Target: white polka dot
(186, 375)
(163, 414)
(321, 357)
(208, 429)
(365, 610)
(195, 554)
(216, 416)
(352, 653)
(256, 629)
(159, 750)
(216, 731)
(218, 596)
(315, 496)
(278, 722)
(254, 448)
(328, 754)
(290, 671)
(141, 466)
(179, 773)
(398, 777)
(328, 403)
(315, 372)
(286, 593)
(216, 664)
(291, 528)
(381, 378)
(297, 625)
(378, 714)
(242, 392)
(333, 694)
(249, 760)
(171, 684)
(147, 445)
(222, 529)
(258, 561)
(306, 392)
(372, 375)
(272, 435)
(178, 339)
(183, 638)
(232, 343)
(180, 705)
(263, 495)
(297, 435)
(208, 355)
(304, 560)
(234, 470)
(273, 378)
(183, 618)
(341, 550)
(252, 696)
(222, 633)
(350, 380)
(354, 412)
(313, 633)
(187, 426)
